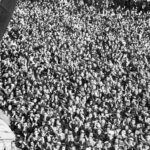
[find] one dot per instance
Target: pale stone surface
(6, 137)
(4, 117)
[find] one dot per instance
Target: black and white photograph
(74, 74)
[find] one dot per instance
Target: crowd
(73, 78)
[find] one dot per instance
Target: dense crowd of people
(74, 78)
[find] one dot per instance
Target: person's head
(149, 86)
(66, 131)
(123, 133)
(145, 147)
(32, 144)
(130, 141)
(140, 145)
(1, 84)
(32, 147)
(91, 135)
(128, 102)
(103, 122)
(143, 102)
(99, 131)
(133, 122)
(72, 147)
(9, 107)
(99, 144)
(63, 147)
(58, 145)
(82, 133)
(128, 120)
(46, 128)
(127, 127)
(76, 129)
(106, 145)
(43, 133)
(148, 138)
(87, 125)
(88, 148)
(121, 148)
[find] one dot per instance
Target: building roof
(4, 117)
